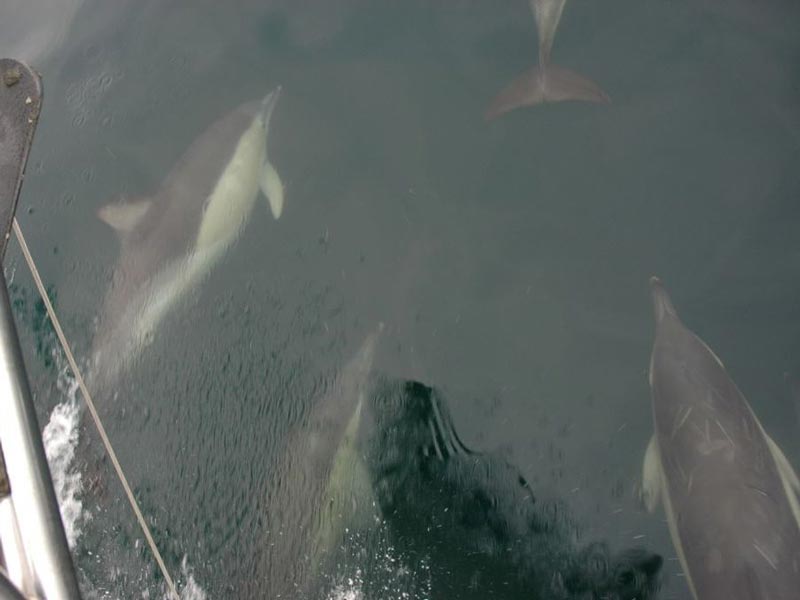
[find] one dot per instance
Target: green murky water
(509, 260)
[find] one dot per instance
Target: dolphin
(321, 485)
(729, 493)
(545, 82)
(171, 240)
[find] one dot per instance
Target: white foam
(191, 590)
(349, 589)
(347, 592)
(399, 581)
(60, 438)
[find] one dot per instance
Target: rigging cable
(90, 404)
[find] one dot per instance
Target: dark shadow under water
(469, 523)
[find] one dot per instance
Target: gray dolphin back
(730, 498)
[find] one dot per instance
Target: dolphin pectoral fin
(654, 490)
(651, 476)
(272, 188)
(791, 483)
(124, 216)
(563, 84)
(784, 466)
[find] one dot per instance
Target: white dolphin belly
(232, 200)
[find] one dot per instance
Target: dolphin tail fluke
(272, 188)
(124, 215)
(564, 84)
(550, 84)
(523, 91)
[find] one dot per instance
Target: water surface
(509, 259)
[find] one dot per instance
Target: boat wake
(189, 587)
(60, 437)
(379, 574)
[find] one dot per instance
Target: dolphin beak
(662, 305)
(269, 102)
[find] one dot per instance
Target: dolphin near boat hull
(171, 240)
(545, 82)
(729, 493)
(320, 488)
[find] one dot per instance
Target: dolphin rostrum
(729, 493)
(171, 240)
(321, 485)
(545, 82)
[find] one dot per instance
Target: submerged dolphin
(171, 240)
(729, 493)
(546, 82)
(321, 486)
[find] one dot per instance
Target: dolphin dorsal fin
(124, 216)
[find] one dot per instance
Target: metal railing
(34, 555)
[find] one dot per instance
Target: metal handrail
(47, 567)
